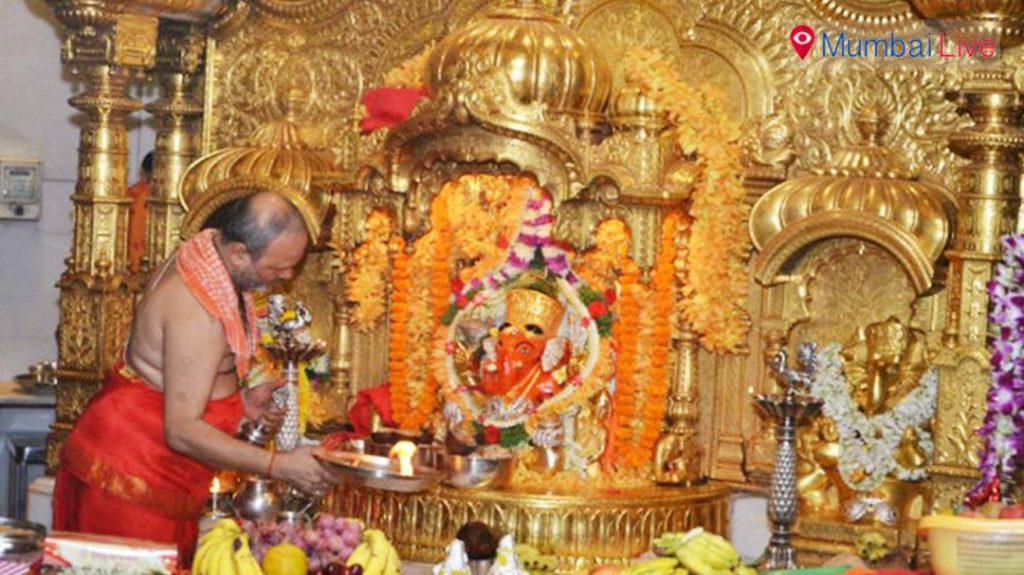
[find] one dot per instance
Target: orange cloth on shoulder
(205, 275)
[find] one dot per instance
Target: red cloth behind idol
(388, 107)
(117, 475)
(367, 401)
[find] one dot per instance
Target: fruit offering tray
(988, 540)
(327, 546)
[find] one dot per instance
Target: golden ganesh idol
(522, 360)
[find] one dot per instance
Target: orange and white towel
(200, 265)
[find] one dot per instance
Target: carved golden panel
(960, 410)
(135, 43)
(77, 341)
(822, 103)
(949, 485)
(350, 47)
(714, 44)
(850, 283)
(580, 530)
(72, 397)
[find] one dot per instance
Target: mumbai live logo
(802, 39)
(946, 46)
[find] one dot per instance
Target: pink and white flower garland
(534, 232)
(1003, 429)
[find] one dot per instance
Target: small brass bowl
(478, 472)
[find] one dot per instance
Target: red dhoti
(117, 475)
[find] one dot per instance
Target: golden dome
(546, 61)
(866, 193)
(632, 106)
(273, 159)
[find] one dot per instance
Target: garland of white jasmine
(869, 444)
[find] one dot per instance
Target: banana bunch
(659, 566)
(534, 561)
(224, 550)
(375, 554)
(695, 552)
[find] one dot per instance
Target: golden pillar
(678, 454)
(988, 201)
(102, 45)
(342, 390)
(179, 58)
(987, 207)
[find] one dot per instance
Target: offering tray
(377, 472)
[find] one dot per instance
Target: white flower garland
(869, 444)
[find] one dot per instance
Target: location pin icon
(802, 39)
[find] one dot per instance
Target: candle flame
(404, 450)
(215, 486)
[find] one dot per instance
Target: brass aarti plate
(377, 472)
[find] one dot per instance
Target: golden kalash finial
(546, 62)
(273, 158)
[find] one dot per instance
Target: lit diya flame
(404, 450)
(214, 493)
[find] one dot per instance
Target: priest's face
(276, 264)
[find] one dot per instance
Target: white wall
(37, 122)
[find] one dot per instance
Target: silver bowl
(377, 472)
(298, 518)
(478, 472)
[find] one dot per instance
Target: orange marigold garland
(714, 297)
(439, 291)
(397, 338)
(486, 210)
(420, 328)
(626, 335)
(366, 283)
(661, 338)
(607, 268)
(600, 266)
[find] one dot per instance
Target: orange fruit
(285, 559)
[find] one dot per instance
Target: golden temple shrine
(577, 235)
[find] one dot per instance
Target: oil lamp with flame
(378, 472)
(218, 506)
(404, 451)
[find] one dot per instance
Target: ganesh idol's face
(519, 350)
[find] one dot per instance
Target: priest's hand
(301, 469)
